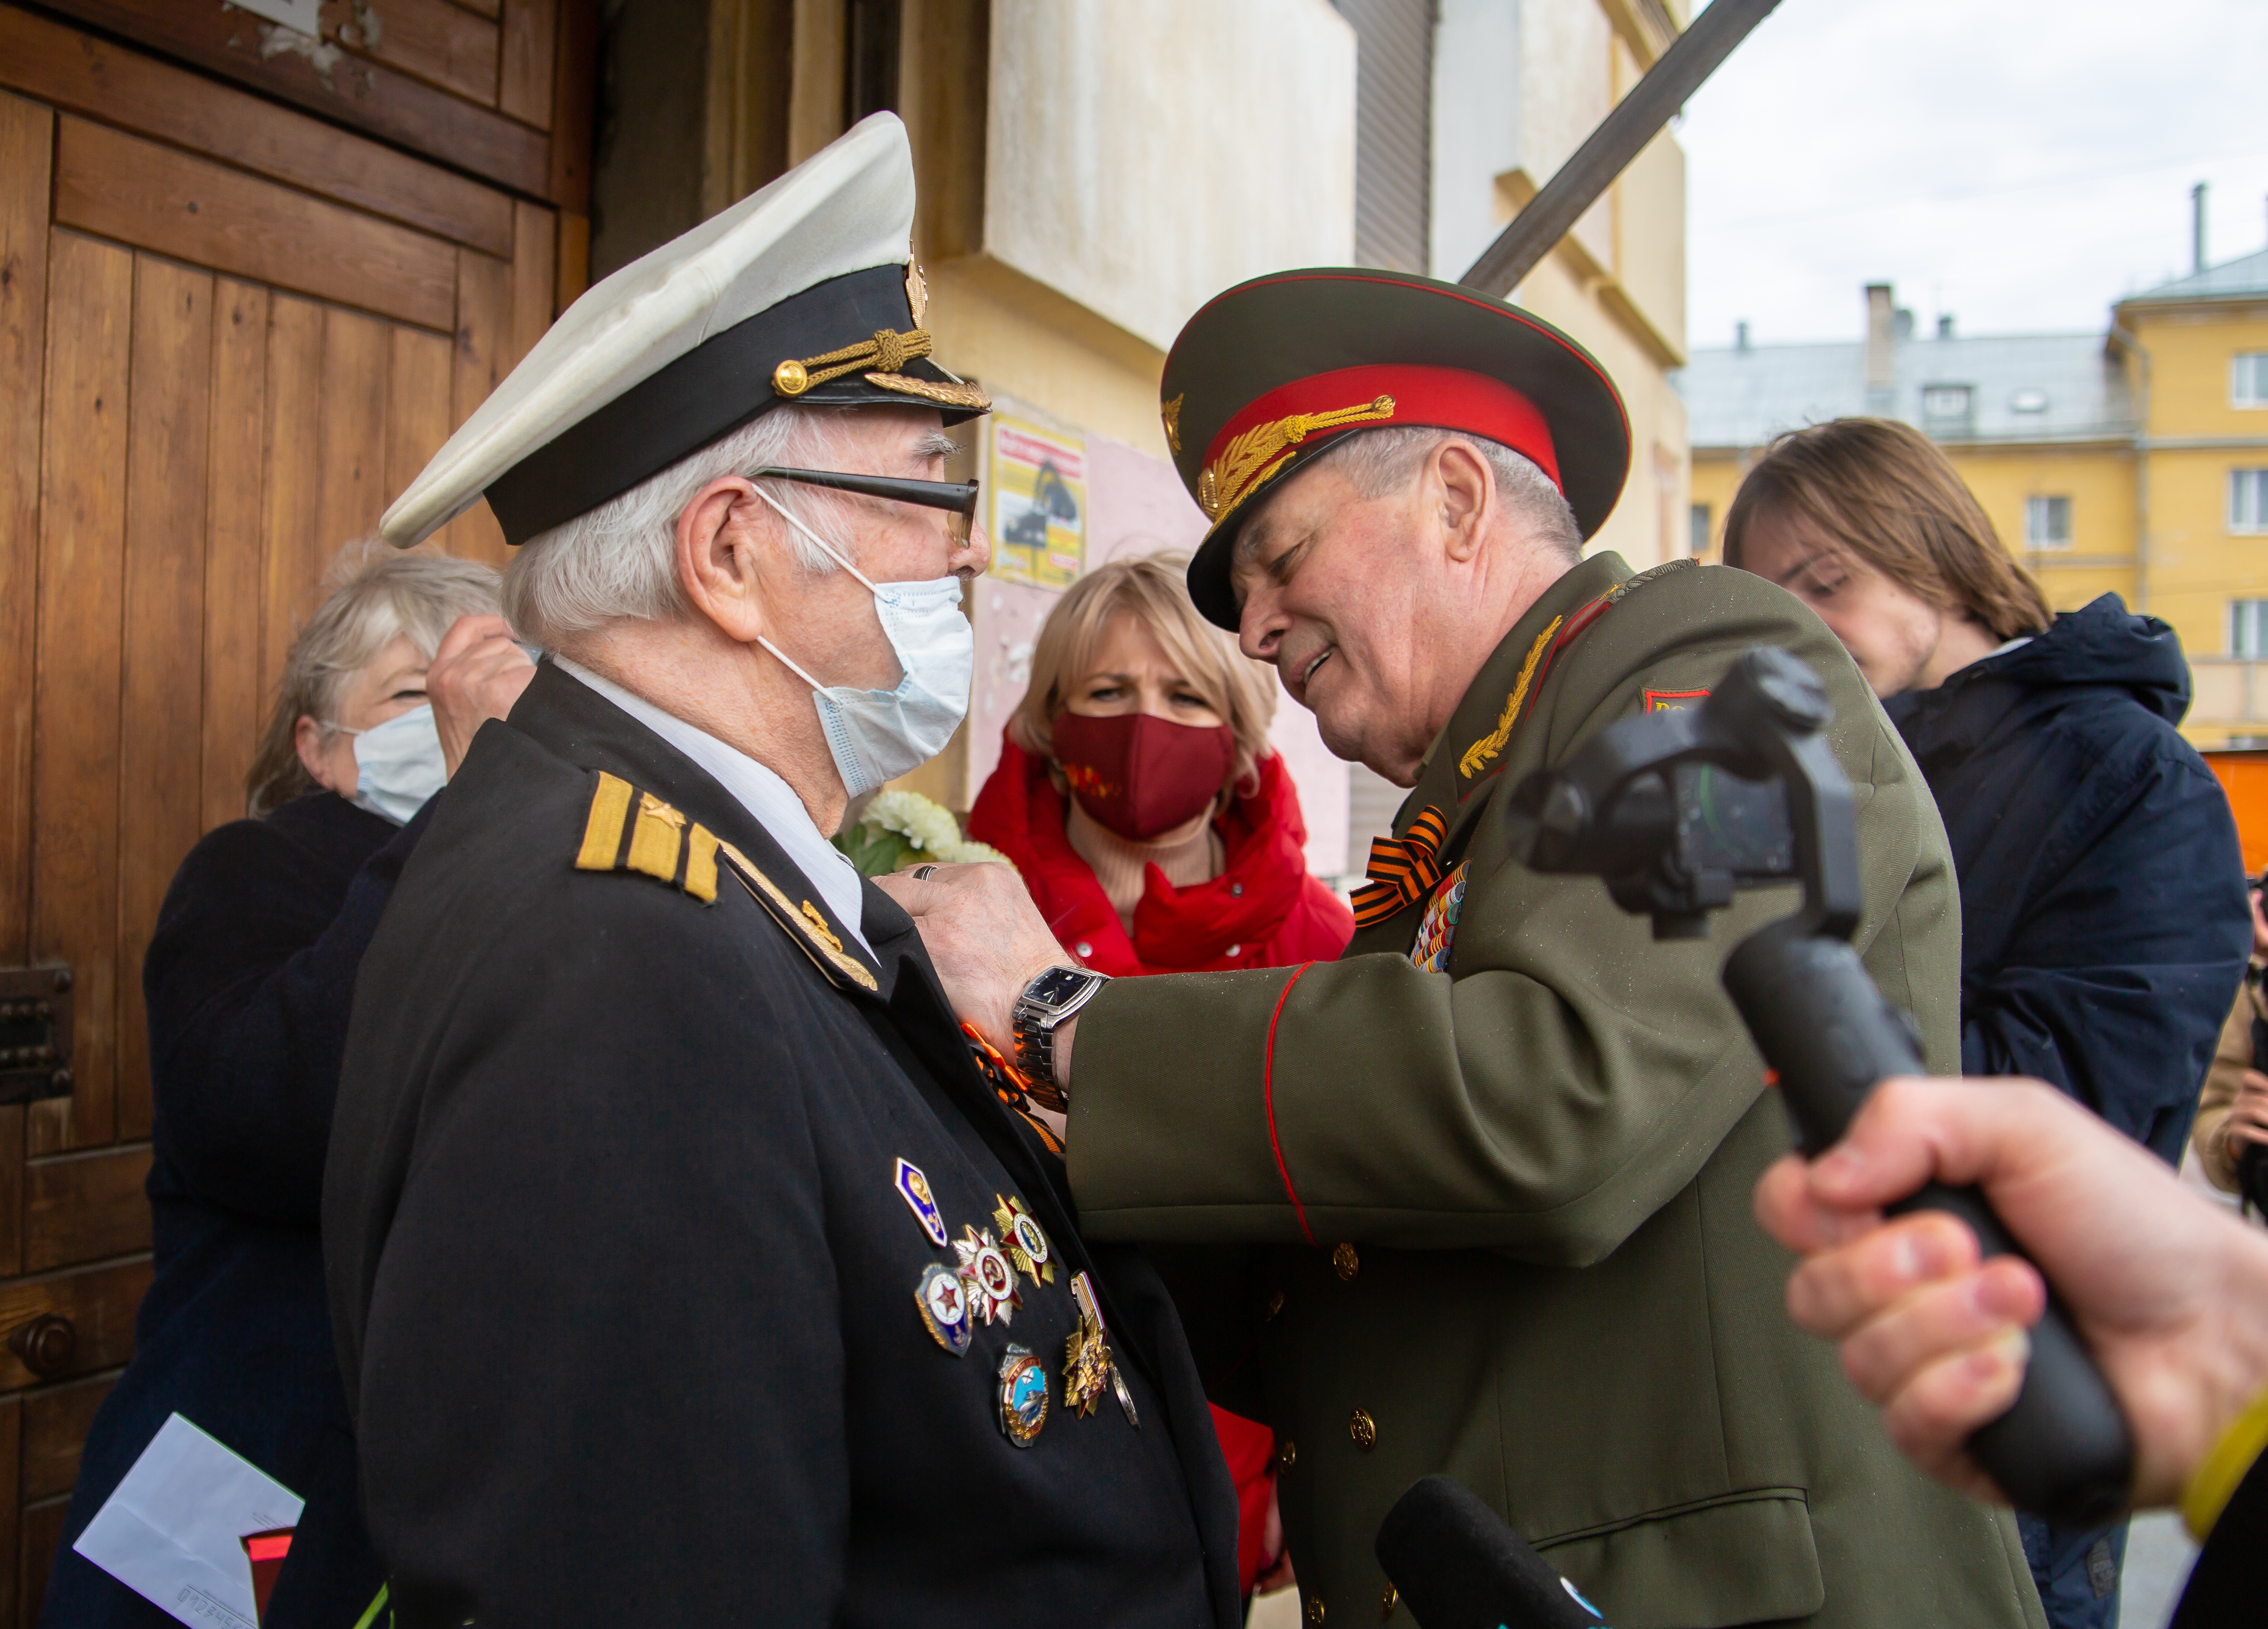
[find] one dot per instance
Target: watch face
(1057, 986)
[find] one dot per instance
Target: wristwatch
(1048, 1003)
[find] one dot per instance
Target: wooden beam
(26, 152)
(438, 42)
(160, 198)
(523, 85)
(84, 75)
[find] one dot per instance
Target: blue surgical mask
(398, 765)
(877, 734)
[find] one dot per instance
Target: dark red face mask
(1140, 775)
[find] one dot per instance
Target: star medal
(913, 1187)
(1027, 1246)
(943, 1299)
(985, 1269)
(1023, 1395)
(1087, 1363)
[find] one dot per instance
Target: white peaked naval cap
(803, 291)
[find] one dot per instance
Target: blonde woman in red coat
(1158, 833)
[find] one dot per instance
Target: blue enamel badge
(913, 1187)
(945, 1312)
(1023, 1395)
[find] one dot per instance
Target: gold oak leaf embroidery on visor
(1245, 464)
(1489, 744)
(886, 353)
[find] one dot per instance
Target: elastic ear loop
(785, 660)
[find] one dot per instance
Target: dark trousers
(2077, 1572)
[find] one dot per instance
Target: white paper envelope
(173, 1530)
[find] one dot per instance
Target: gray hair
(1380, 461)
(619, 562)
(378, 595)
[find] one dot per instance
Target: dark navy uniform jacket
(623, 1287)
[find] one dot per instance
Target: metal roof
(2020, 387)
(2246, 274)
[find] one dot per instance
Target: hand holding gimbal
(1676, 811)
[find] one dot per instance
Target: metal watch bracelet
(1035, 1024)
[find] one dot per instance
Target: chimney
(2197, 227)
(1945, 326)
(1741, 335)
(1882, 354)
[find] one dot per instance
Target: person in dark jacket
(2104, 926)
(249, 979)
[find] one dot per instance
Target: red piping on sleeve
(1268, 1095)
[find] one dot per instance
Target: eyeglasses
(956, 497)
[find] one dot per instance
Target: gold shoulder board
(628, 830)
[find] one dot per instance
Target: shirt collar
(770, 800)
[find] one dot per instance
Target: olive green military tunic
(1495, 1221)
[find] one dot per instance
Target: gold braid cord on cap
(1245, 464)
(886, 353)
(959, 393)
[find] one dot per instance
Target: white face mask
(398, 765)
(877, 734)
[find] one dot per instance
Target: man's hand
(2168, 1291)
(2248, 1116)
(476, 675)
(988, 942)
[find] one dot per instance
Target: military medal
(945, 1311)
(1088, 1365)
(985, 1269)
(1027, 1246)
(1023, 1395)
(913, 1187)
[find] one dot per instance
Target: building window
(1702, 529)
(2247, 628)
(2248, 501)
(1946, 407)
(2047, 523)
(2248, 379)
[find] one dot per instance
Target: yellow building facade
(2131, 461)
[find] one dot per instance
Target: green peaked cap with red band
(1272, 373)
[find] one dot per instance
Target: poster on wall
(1038, 483)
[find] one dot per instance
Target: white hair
(619, 562)
(1379, 461)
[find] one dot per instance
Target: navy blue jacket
(249, 979)
(2103, 922)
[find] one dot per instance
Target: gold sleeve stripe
(602, 833)
(654, 839)
(701, 864)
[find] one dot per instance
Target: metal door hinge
(35, 1033)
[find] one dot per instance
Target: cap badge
(1023, 1395)
(1171, 412)
(886, 353)
(943, 1300)
(913, 1187)
(1245, 464)
(917, 291)
(985, 1269)
(1020, 1235)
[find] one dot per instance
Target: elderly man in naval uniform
(688, 1265)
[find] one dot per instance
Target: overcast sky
(2018, 164)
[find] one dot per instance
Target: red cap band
(1258, 440)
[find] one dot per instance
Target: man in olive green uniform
(1474, 1198)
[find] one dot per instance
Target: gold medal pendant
(985, 1268)
(1088, 1366)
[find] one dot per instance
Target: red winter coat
(1264, 910)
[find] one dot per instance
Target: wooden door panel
(86, 1208)
(159, 197)
(55, 1422)
(59, 65)
(435, 39)
(234, 710)
(529, 46)
(75, 753)
(160, 746)
(27, 146)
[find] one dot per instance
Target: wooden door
(230, 331)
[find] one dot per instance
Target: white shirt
(770, 800)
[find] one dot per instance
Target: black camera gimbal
(1676, 809)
